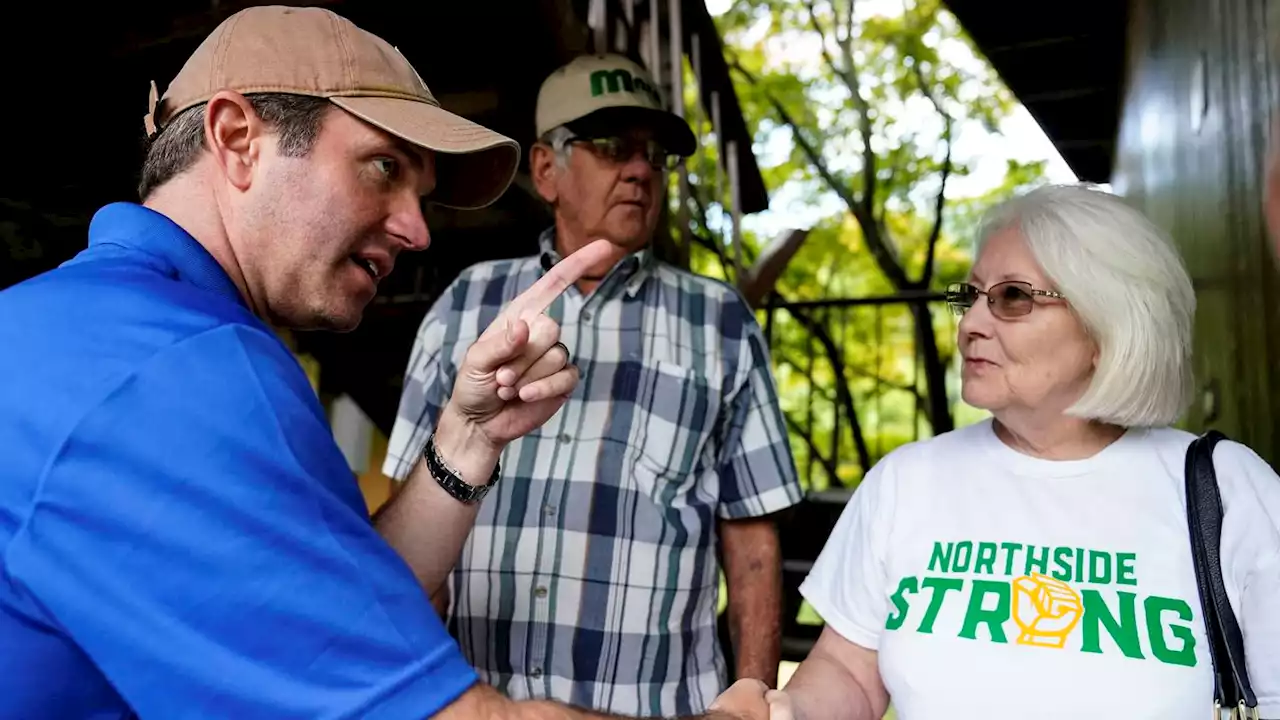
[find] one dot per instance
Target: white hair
(1126, 282)
(558, 138)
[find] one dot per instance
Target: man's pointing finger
(559, 278)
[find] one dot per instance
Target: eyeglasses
(1009, 299)
(621, 150)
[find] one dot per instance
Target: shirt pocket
(674, 427)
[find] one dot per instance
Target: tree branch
(935, 373)
(847, 72)
(848, 21)
(926, 273)
(939, 202)
(786, 359)
(874, 230)
(700, 215)
(707, 242)
(883, 254)
(822, 45)
(836, 358)
(850, 77)
(815, 451)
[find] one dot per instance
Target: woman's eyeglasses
(1009, 299)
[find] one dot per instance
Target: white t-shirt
(998, 585)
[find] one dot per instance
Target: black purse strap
(1204, 518)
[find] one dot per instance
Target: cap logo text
(612, 81)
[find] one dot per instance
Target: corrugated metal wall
(1202, 78)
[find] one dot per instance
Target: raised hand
(516, 375)
(1045, 609)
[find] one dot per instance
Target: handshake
(749, 699)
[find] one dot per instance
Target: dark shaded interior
(1065, 63)
(78, 92)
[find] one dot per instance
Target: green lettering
(940, 586)
(964, 553)
(1160, 649)
(1039, 564)
(1062, 564)
(1011, 553)
(610, 81)
(1099, 576)
(646, 88)
(940, 559)
(994, 618)
(986, 558)
(1124, 569)
(907, 585)
(1124, 632)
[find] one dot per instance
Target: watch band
(449, 479)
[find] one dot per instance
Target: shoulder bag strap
(1204, 518)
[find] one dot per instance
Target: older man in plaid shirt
(592, 574)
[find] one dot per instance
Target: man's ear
(233, 133)
(542, 167)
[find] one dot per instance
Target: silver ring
(565, 348)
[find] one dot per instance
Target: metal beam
(1037, 43)
(1084, 144)
(1067, 94)
(715, 78)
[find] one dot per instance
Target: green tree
(870, 106)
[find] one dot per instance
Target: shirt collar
(630, 272)
(135, 227)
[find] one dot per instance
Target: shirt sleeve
(757, 470)
(1251, 559)
(202, 540)
(847, 586)
(428, 383)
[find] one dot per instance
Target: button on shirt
(180, 536)
(591, 575)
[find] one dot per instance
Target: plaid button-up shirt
(591, 576)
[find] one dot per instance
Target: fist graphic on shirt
(1046, 610)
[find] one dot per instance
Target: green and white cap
(595, 94)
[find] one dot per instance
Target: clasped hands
(750, 699)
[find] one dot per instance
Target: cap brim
(669, 129)
(474, 165)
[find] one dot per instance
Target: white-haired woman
(1037, 565)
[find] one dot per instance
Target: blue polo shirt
(179, 534)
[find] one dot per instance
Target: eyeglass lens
(623, 149)
(1007, 299)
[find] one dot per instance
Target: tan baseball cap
(312, 51)
(602, 91)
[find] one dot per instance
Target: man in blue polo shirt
(179, 534)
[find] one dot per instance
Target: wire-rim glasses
(1009, 299)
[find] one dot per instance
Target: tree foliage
(856, 107)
